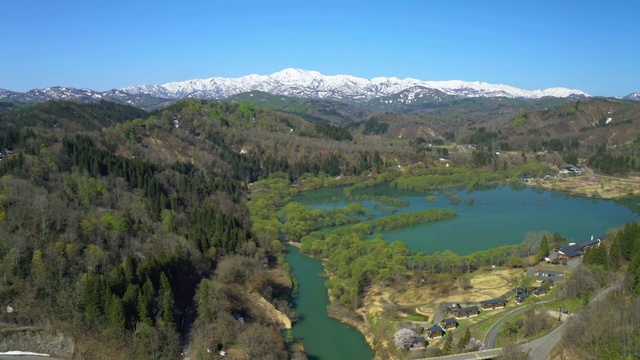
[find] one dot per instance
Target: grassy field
(484, 284)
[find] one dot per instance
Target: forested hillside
(119, 227)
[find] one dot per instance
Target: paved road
(492, 335)
(541, 347)
(485, 354)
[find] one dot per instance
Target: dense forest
(104, 244)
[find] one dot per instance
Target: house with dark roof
(435, 332)
(521, 297)
(466, 312)
(497, 303)
(448, 323)
(540, 290)
(418, 343)
(577, 249)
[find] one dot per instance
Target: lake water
(489, 218)
(486, 219)
(323, 337)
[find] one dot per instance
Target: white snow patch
(303, 83)
(21, 353)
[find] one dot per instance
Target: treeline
(365, 228)
(74, 116)
(333, 132)
(12, 137)
(607, 163)
(298, 220)
(374, 127)
(439, 178)
(481, 137)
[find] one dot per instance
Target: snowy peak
(633, 97)
(312, 84)
(82, 95)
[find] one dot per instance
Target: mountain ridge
(379, 93)
(143, 101)
(312, 84)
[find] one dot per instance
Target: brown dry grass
(605, 187)
(486, 284)
(424, 299)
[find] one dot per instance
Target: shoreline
(608, 188)
(362, 326)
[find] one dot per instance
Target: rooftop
(468, 309)
(572, 250)
(493, 301)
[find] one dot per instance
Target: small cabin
(466, 312)
(449, 323)
(540, 290)
(418, 343)
(435, 332)
(521, 297)
(497, 303)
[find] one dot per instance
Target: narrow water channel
(324, 338)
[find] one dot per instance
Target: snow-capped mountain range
(63, 93)
(633, 96)
(381, 91)
(312, 84)
(83, 95)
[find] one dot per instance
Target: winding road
(492, 335)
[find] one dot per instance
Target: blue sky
(591, 46)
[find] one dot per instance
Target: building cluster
(547, 279)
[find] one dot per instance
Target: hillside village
(543, 280)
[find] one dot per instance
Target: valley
(125, 220)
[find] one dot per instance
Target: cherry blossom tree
(404, 338)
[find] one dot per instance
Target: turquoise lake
(489, 218)
(486, 219)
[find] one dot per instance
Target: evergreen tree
(464, 340)
(614, 255)
(116, 313)
(377, 161)
(597, 257)
(544, 249)
(167, 300)
(145, 302)
(130, 269)
(448, 343)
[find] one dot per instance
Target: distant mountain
(633, 97)
(413, 98)
(312, 84)
(83, 95)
